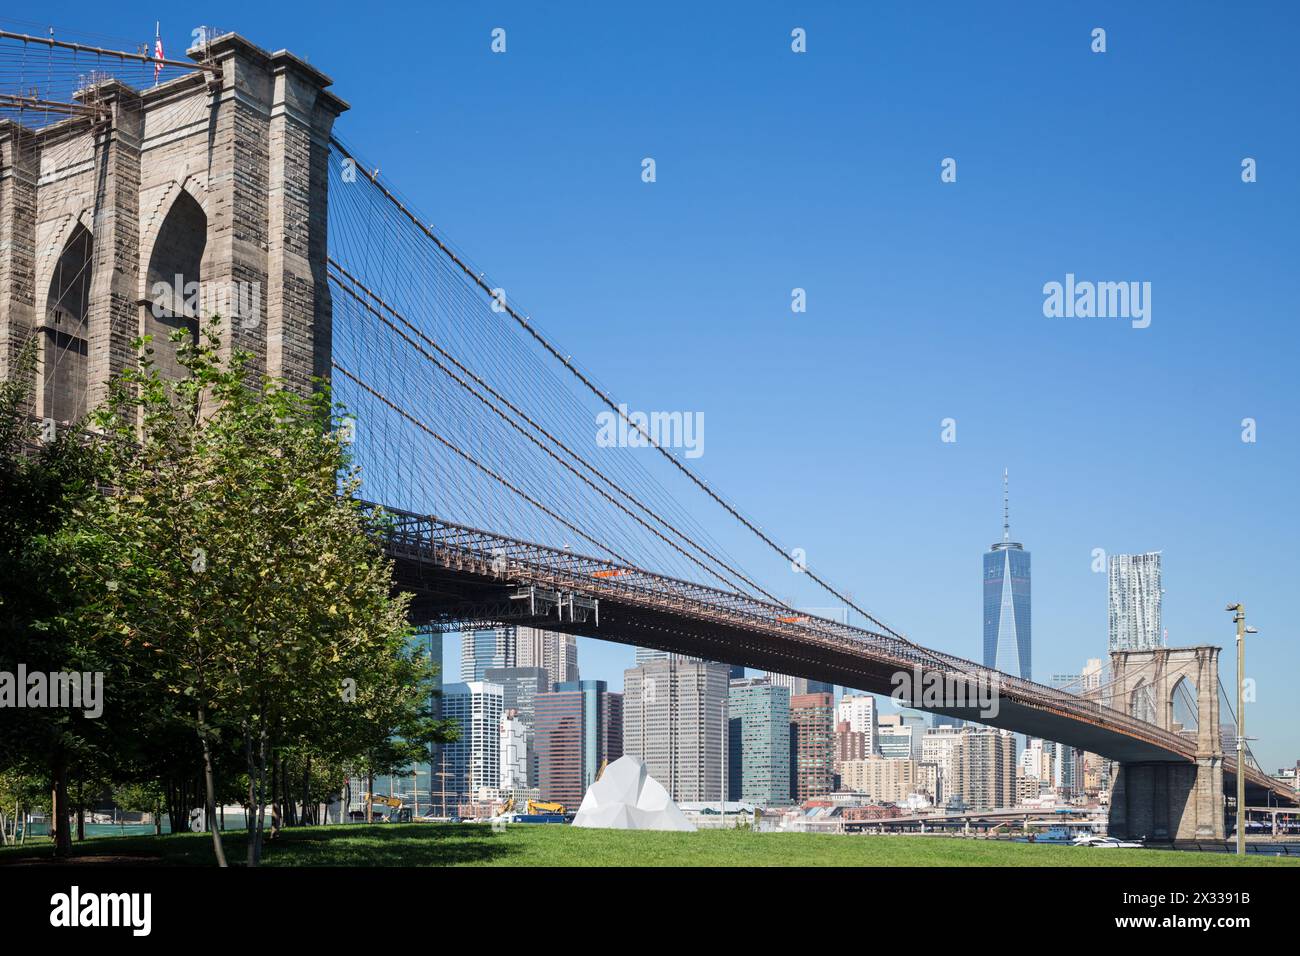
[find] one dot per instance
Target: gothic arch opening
(173, 281)
(1142, 704)
(63, 341)
(1183, 707)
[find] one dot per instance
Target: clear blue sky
(821, 170)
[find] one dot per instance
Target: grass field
(553, 845)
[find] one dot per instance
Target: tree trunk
(261, 797)
(59, 806)
(306, 794)
(289, 813)
(370, 797)
(81, 811)
(251, 808)
(210, 791)
(177, 814)
(275, 797)
(200, 791)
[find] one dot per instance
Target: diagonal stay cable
(523, 322)
(551, 437)
(479, 465)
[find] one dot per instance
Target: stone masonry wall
(251, 149)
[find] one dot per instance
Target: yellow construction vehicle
(541, 806)
(396, 811)
(506, 807)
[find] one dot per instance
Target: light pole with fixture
(1239, 618)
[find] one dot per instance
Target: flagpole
(157, 42)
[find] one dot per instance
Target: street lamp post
(723, 750)
(1239, 618)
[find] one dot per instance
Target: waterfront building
(859, 712)
(884, 779)
(514, 752)
(552, 651)
(900, 735)
(800, 686)
(1083, 683)
(1028, 787)
(985, 763)
(1081, 773)
(474, 760)
(578, 729)
(520, 687)
(812, 743)
(850, 744)
(1032, 760)
(758, 748)
(938, 748)
(484, 647)
(675, 719)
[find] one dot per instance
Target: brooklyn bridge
(128, 181)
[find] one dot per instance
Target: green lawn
(554, 845)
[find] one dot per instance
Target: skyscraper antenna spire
(1006, 506)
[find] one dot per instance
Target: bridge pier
(1166, 800)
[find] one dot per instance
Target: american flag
(157, 55)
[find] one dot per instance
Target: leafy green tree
(309, 777)
(238, 561)
(142, 798)
(394, 726)
(46, 476)
(20, 794)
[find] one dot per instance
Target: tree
(46, 476)
(20, 794)
(142, 797)
(393, 725)
(238, 561)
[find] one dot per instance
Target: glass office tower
(1007, 630)
(758, 750)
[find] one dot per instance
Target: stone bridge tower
(204, 194)
(1175, 801)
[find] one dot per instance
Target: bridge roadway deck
(458, 573)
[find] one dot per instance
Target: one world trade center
(1006, 601)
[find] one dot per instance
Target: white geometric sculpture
(626, 797)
